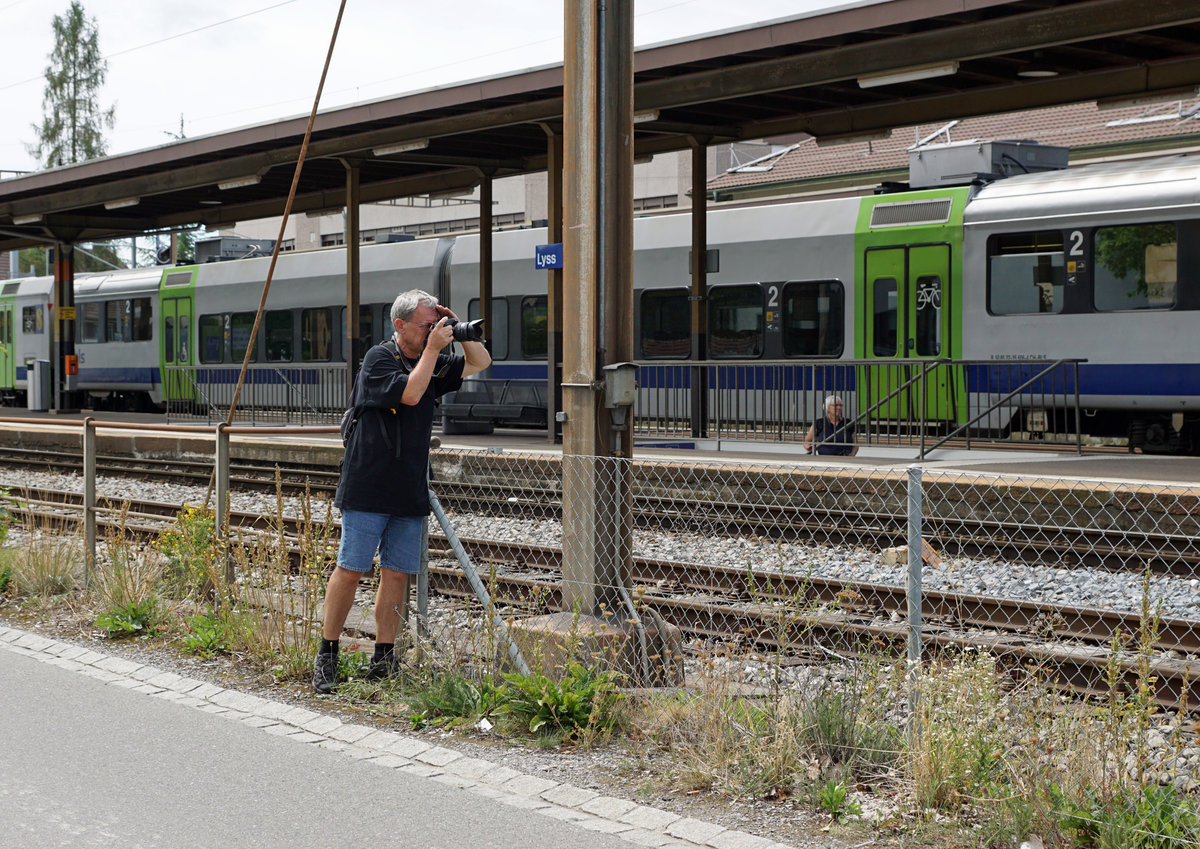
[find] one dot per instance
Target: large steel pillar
(597, 301)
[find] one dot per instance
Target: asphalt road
(84, 764)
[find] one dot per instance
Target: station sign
(546, 257)
(66, 313)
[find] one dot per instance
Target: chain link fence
(1009, 648)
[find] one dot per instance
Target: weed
(276, 594)
(130, 618)
(583, 699)
(453, 699)
(6, 569)
(838, 802)
(6, 518)
(50, 560)
(190, 549)
(837, 721)
(1137, 817)
(353, 664)
(959, 731)
(206, 635)
(127, 577)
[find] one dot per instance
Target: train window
(813, 318)
(497, 334)
(32, 320)
(1134, 267)
(735, 321)
(277, 332)
(169, 339)
(142, 319)
(184, 326)
(89, 323)
(533, 327)
(211, 337)
(116, 323)
(884, 334)
(316, 335)
(666, 324)
(929, 316)
(1026, 273)
(365, 331)
(239, 336)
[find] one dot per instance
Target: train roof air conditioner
(962, 163)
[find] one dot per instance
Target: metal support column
(699, 293)
(221, 501)
(353, 347)
(89, 500)
(485, 258)
(598, 295)
(62, 321)
(554, 284)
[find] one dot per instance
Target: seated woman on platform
(831, 434)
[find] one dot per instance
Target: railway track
(787, 612)
(1042, 543)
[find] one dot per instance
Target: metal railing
(310, 394)
(920, 402)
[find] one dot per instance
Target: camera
(466, 331)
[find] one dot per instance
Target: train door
(178, 384)
(8, 353)
(906, 308)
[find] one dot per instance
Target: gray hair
(830, 400)
(406, 303)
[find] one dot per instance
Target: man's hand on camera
(440, 335)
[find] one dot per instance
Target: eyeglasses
(426, 325)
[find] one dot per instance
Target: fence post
(89, 499)
(913, 588)
(221, 512)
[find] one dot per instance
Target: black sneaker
(324, 673)
(386, 667)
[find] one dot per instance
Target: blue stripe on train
(1119, 379)
(145, 376)
(261, 376)
(1170, 379)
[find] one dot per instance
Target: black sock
(328, 647)
(383, 650)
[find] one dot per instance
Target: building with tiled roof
(804, 166)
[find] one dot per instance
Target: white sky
(223, 64)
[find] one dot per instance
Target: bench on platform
(481, 405)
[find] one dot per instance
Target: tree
(73, 122)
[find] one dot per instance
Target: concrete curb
(639, 824)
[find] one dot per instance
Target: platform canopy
(842, 74)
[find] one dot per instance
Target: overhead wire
(156, 41)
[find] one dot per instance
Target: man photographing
(382, 492)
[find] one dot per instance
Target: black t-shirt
(833, 439)
(384, 470)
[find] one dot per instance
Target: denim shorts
(397, 538)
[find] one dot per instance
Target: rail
(279, 394)
(921, 403)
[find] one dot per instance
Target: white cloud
(266, 65)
